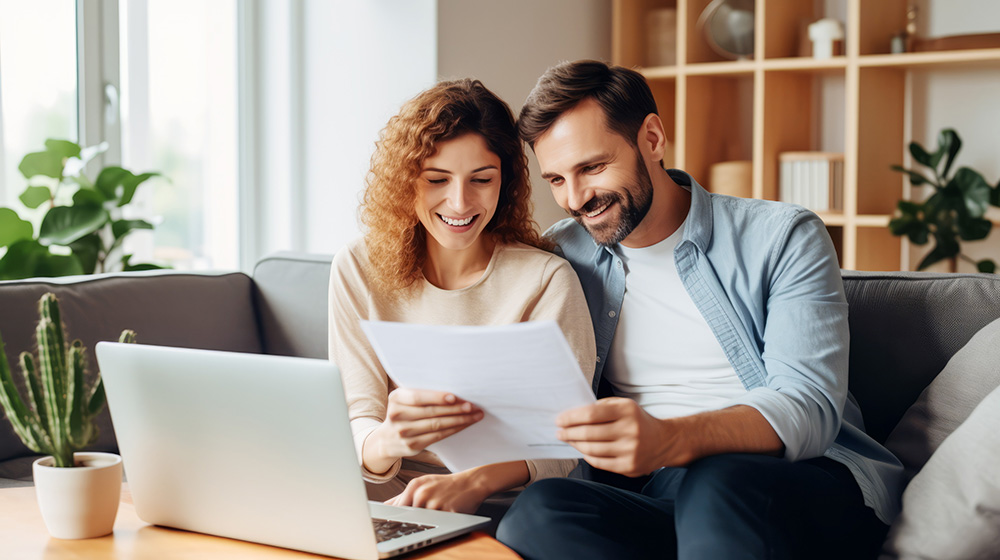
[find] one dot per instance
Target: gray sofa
(904, 326)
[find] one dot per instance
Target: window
(38, 84)
(176, 64)
(179, 117)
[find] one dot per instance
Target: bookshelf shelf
(719, 110)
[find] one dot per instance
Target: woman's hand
(463, 491)
(416, 418)
(447, 492)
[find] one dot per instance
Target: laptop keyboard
(386, 529)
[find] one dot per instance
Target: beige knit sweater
(521, 283)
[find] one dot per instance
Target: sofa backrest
(291, 291)
(905, 326)
(212, 311)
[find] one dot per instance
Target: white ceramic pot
(79, 502)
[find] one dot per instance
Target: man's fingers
(589, 432)
(597, 449)
(604, 410)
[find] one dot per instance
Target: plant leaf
(987, 266)
(948, 144)
(975, 191)
(129, 184)
(88, 197)
(59, 265)
(62, 148)
(920, 155)
(63, 225)
(947, 247)
(33, 197)
(109, 179)
(87, 249)
(143, 266)
(121, 227)
(13, 228)
(972, 229)
(22, 259)
(41, 163)
(916, 179)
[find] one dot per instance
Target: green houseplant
(58, 418)
(954, 212)
(83, 227)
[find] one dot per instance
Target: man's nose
(577, 195)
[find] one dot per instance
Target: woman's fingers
(430, 426)
(417, 404)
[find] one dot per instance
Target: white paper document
(522, 376)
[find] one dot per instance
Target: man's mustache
(594, 204)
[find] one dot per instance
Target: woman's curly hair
(394, 237)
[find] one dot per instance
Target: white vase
(79, 502)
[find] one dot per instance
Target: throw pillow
(951, 509)
(969, 376)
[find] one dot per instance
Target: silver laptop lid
(214, 442)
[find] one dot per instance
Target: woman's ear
(652, 140)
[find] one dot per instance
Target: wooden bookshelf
(723, 110)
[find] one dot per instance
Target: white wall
(509, 44)
(362, 61)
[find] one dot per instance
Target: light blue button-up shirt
(765, 277)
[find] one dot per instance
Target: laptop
(256, 448)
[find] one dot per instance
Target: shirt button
(618, 264)
(598, 358)
(611, 313)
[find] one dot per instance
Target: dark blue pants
(723, 507)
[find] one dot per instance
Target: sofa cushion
(212, 311)
(291, 291)
(951, 509)
(905, 326)
(970, 375)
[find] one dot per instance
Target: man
(721, 330)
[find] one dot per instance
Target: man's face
(595, 174)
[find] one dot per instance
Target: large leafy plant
(83, 228)
(954, 212)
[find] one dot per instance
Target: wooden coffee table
(23, 536)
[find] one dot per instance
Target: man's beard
(634, 202)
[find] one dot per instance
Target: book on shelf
(814, 180)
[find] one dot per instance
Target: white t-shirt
(664, 355)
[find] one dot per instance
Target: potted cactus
(78, 493)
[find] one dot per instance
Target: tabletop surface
(23, 536)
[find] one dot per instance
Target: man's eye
(556, 181)
(595, 168)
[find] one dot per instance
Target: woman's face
(457, 192)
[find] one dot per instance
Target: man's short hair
(622, 93)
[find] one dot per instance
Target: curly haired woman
(448, 239)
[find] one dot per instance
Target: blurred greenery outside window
(177, 114)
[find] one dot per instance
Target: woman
(448, 239)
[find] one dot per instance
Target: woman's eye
(483, 181)
(437, 181)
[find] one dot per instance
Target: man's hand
(617, 435)
(415, 419)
